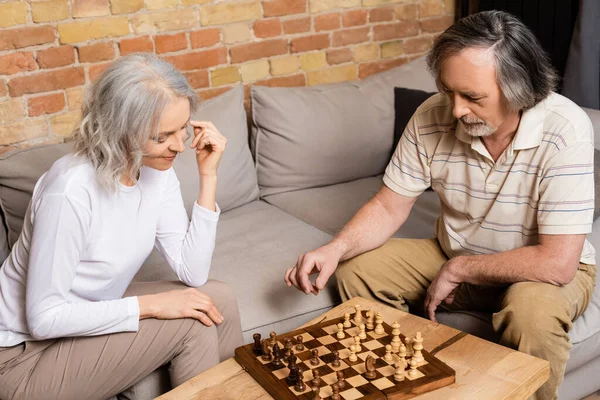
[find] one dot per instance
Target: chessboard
(331, 361)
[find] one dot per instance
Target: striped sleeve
(566, 191)
(408, 172)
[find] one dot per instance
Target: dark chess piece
(316, 380)
(266, 351)
(292, 378)
(370, 367)
(314, 357)
(341, 382)
(336, 359)
(288, 349)
(315, 393)
(257, 349)
(300, 387)
(299, 343)
(336, 392)
(292, 361)
(276, 356)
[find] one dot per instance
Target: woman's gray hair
(523, 69)
(121, 112)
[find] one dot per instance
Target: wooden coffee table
(483, 369)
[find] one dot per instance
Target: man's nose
(459, 107)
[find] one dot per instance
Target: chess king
(512, 162)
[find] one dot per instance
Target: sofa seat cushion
(329, 208)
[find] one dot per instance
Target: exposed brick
(198, 79)
(254, 51)
(284, 65)
(160, 4)
(267, 28)
(173, 20)
(125, 6)
(24, 37)
(450, 7)
(350, 36)
(298, 25)
(96, 52)
(236, 33)
(327, 22)
(406, 12)
(365, 70)
(11, 110)
(367, 52)
(371, 3)
(141, 43)
(13, 13)
(170, 43)
(437, 24)
(395, 30)
(89, 8)
(46, 104)
(94, 71)
(23, 130)
(284, 81)
(313, 61)
(46, 11)
(194, 2)
(205, 37)
(199, 59)
(227, 13)
(339, 56)
(392, 49)
(47, 81)
(224, 76)
(430, 8)
(63, 124)
(207, 94)
(333, 75)
(13, 63)
(254, 70)
(312, 42)
(75, 98)
(56, 57)
(317, 6)
(275, 8)
(354, 18)
(381, 14)
(100, 28)
(417, 45)
(3, 88)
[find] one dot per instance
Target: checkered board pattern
(431, 374)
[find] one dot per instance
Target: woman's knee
(223, 296)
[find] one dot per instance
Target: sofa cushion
(329, 208)
(406, 102)
(323, 135)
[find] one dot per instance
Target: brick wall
(50, 49)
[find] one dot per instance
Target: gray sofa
(312, 158)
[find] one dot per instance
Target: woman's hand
(182, 303)
(209, 144)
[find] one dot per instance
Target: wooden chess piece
(353, 356)
(292, 377)
(402, 351)
(399, 372)
(316, 380)
(300, 387)
(358, 317)
(336, 359)
(413, 368)
(336, 392)
(347, 323)
(288, 349)
(357, 344)
(370, 367)
(379, 324)
(418, 347)
(257, 348)
(292, 361)
(388, 353)
(266, 351)
(276, 356)
(409, 348)
(396, 337)
(315, 393)
(273, 336)
(341, 381)
(300, 343)
(340, 333)
(314, 360)
(370, 320)
(361, 332)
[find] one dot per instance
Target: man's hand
(323, 260)
(442, 288)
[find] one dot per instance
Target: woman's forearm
(208, 190)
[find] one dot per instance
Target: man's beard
(477, 127)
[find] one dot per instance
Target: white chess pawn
(357, 344)
(347, 323)
(340, 332)
(370, 320)
(388, 353)
(413, 368)
(399, 372)
(417, 347)
(353, 356)
(379, 324)
(358, 317)
(402, 351)
(396, 337)
(361, 332)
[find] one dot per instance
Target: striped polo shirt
(543, 183)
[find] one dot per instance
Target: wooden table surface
(484, 370)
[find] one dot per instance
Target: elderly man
(512, 163)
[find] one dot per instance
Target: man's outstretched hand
(323, 261)
(442, 288)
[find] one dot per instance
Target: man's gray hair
(121, 112)
(523, 69)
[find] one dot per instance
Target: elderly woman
(71, 325)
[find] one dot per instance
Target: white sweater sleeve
(59, 237)
(187, 247)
